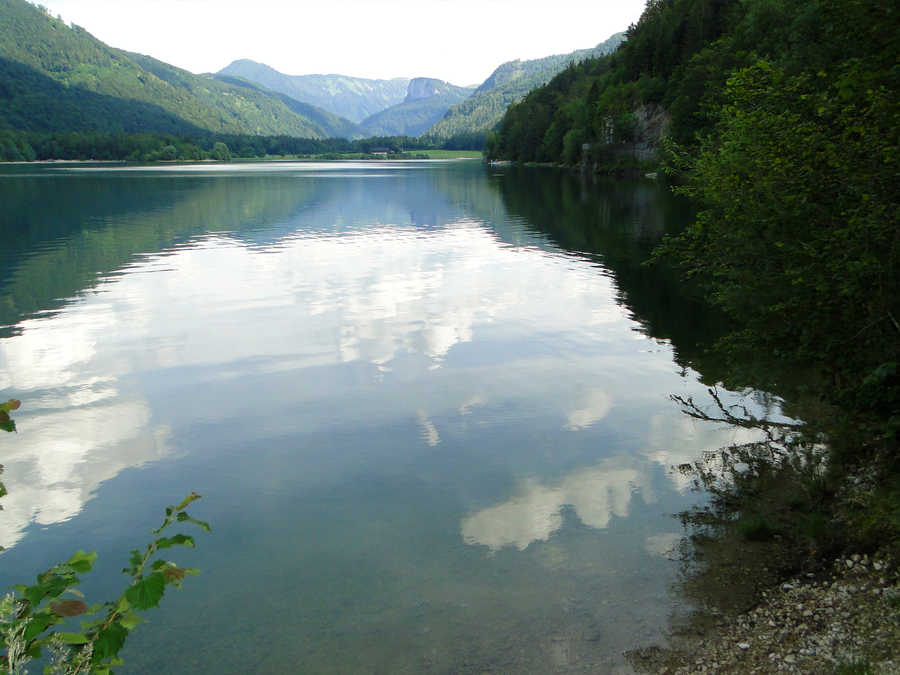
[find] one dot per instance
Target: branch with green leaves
(30, 614)
(6, 423)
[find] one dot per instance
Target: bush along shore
(792, 563)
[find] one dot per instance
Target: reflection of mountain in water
(95, 224)
(99, 221)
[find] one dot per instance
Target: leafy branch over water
(6, 423)
(30, 615)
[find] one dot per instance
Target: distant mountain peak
(425, 87)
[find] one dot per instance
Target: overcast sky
(460, 41)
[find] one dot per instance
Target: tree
(799, 239)
(221, 152)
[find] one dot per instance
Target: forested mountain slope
(677, 59)
(507, 84)
(65, 65)
(354, 98)
(427, 100)
(784, 123)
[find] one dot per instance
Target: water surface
(425, 403)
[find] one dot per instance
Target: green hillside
(78, 68)
(354, 98)
(332, 126)
(32, 101)
(507, 84)
(426, 102)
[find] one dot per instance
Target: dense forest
(780, 119)
(679, 58)
(18, 146)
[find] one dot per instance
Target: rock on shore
(809, 624)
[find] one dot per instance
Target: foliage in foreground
(31, 616)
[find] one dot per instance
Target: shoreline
(844, 620)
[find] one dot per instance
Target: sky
(460, 41)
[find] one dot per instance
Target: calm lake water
(425, 404)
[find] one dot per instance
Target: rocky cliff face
(652, 123)
(423, 87)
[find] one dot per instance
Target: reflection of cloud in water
(471, 403)
(596, 404)
(313, 301)
(599, 493)
(663, 545)
(364, 296)
(429, 432)
(675, 439)
(58, 459)
(46, 357)
(595, 494)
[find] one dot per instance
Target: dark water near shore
(425, 403)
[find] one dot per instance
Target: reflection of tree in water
(97, 225)
(617, 223)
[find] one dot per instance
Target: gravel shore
(845, 621)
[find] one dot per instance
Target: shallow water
(425, 403)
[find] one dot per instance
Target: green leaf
(32, 594)
(109, 642)
(38, 624)
(130, 620)
(177, 540)
(184, 517)
(147, 592)
(73, 638)
(136, 559)
(187, 500)
(122, 605)
(81, 561)
(10, 405)
(56, 586)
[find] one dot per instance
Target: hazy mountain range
(354, 98)
(58, 77)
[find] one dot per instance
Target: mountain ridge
(50, 54)
(354, 98)
(508, 83)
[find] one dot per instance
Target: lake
(426, 404)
